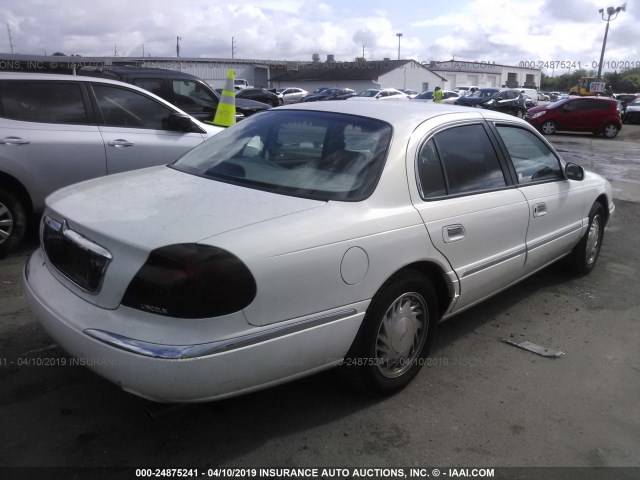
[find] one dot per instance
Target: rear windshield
(319, 155)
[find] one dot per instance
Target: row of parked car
(95, 125)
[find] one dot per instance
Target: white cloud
(505, 31)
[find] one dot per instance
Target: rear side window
(43, 102)
(531, 158)
(430, 174)
(469, 159)
(128, 108)
(193, 97)
(153, 85)
(600, 105)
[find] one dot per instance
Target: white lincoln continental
(303, 237)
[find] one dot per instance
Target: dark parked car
(185, 91)
(478, 97)
(598, 115)
(259, 95)
(632, 112)
(504, 100)
(626, 98)
(329, 94)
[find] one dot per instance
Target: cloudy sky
(504, 31)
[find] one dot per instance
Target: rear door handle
(453, 233)
(120, 142)
(539, 209)
(14, 141)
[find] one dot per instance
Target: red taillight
(191, 281)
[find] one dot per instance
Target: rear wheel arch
(15, 209)
(443, 288)
(395, 336)
(18, 190)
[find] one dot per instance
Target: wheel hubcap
(401, 335)
(610, 131)
(6, 223)
(593, 240)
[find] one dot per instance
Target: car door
(137, 129)
(555, 204)
(48, 135)
(473, 214)
(571, 115)
(506, 101)
(296, 95)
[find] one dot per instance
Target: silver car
(304, 238)
(292, 94)
(56, 130)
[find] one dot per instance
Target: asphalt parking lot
(479, 402)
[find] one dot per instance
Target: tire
(13, 222)
(585, 254)
(280, 102)
(610, 130)
(520, 113)
(549, 127)
(383, 358)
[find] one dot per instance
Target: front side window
(469, 159)
(127, 108)
(43, 102)
(532, 159)
(319, 155)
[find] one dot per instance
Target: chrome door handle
(14, 141)
(539, 209)
(453, 233)
(120, 142)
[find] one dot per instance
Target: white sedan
(291, 95)
(304, 238)
(381, 94)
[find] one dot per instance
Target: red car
(598, 115)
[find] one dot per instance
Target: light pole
(611, 12)
(398, 35)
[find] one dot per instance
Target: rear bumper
(187, 373)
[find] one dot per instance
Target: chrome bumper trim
(180, 352)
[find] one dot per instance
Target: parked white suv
(56, 130)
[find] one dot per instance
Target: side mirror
(180, 122)
(573, 171)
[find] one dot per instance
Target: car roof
(62, 77)
(403, 115)
(141, 71)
